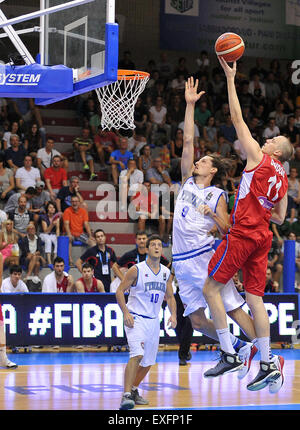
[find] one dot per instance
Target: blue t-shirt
(118, 156)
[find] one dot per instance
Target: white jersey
(190, 227)
(146, 296)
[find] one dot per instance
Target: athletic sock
(264, 348)
(3, 356)
(225, 341)
(237, 343)
(134, 388)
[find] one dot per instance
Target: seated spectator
(228, 130)
(293, 194)
(33, 141)
(166, 215)
(105, 142)
(272, 286)
(291, 131)
(240, 151)
(136, 143)
(257, 89)
(9, 247)
(141, 119)
(12, 202)
(157, 175)
(45, 156)
(196, 131)
(119, 159)
(76, 223)
(273, 261)
(292, 236)
(295, 162)
(165, 155)
(246, 99)
(288, 103)
(21, 216)
(130, 181)
(158, 118)
(55, 177)
(222, 147)
(146, 205)
(272, 130)
(31, 253)
(175, 113)
(14, 129)
(273, 90)
(176, 145)
(40, 200)
(58, 281)
(221, 114)
(27, 176)
(145, 160)
(279, 115)
(50, 230)
(63, 198)
(101, 257)
(178, 83)
(210, 132)
(200, 149)
(202, 113)
(7, 181)
(83, 146)
(14, 283)
(88, 283)
(15, 154)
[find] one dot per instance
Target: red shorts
(248, 253)
(1, 315)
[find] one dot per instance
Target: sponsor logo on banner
(182, 7)
(26, 79)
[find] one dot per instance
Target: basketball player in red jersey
(88, 283)
(261, 197)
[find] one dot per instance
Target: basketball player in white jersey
(199, 207)
(150, 283)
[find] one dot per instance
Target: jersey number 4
(273, 183)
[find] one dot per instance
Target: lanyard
(106, 255)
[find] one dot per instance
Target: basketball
(230, 46)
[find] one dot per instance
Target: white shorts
(191, 275)
(143, 339)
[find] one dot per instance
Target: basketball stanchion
(289, 266)
(63, 250)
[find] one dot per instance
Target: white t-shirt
(158, 116)
(238, 147)
(268, 133)
(28, 177)
(45, 157)
(137, 176)
(196, 129)
(7, 287)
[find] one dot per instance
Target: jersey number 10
(154, 298)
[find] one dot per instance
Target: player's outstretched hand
(172, 322)
(229, 71)
(191, 95)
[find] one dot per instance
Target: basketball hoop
(117, 100)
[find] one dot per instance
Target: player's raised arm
(191, 97)
(127, 282)
(250, 145)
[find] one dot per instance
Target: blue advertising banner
(270, 29)
(96, 319)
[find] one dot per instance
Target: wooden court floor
(93, 381)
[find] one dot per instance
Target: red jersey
(93, 288)
(62, 286)
(259, 190)
(56, 177)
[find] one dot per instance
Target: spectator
(273, 90)
(40, 200)
(14, 130)
(178, 83)
(31, 253)
(63, 198)
(176, 145)
(202, 113)
(76, 223)
(222, 147)
(293, 194)
(166, 215)
(271, 285)
(257, 89)
(84, 145)
(158, 118)
(210, 132)
(21, 216)
(218, 92)
(50, 230)
(12, 202)
(130, 180)
(241, 153)
(141, 120)
(14, 283)
(15, 154)
(9, 247)
(287, 103)
(279, 115)
(105, 142)
(45, 156)
(292, 236)
(165, 155)
(136, 143)
(27, 176)
(88, 283)
(228, 130)
(33, 141)
(146, 205)
(246, 99)
(291, 131)
(126, 62)
(157, 175)
(297, 118)
(273, 261)
(237, 282)
(58, 281)
(175, 113)
(295, 162)
(7, 181)
(55, 177)
(258, 70)
(101, 257)
(119, 159)
(145, 160)
(203, 63)
(136, 255)
(181, 68)
(272, 130)
(164, 67)
(220, 116)
(196, 131)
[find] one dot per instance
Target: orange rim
(130, 75)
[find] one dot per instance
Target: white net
(117, 100)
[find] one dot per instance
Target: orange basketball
(230, 46)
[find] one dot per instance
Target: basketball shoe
(138, 400)
(276, 384)
(8, 364)
(127, 402)
(246, 354)
(268, 371)
(228, 363)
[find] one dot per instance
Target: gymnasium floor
(89, 380)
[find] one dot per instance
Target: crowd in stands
(40, 200)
